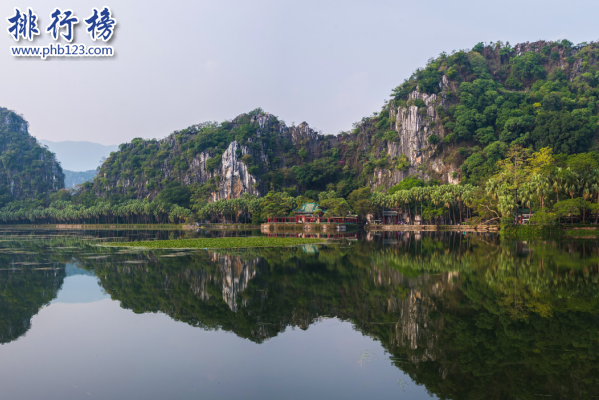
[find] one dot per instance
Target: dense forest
(454, 122)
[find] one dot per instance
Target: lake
(366, 316)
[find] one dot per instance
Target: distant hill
(79, 156)
(74, 178)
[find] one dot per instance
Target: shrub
(555, 56)
(449, 138)
(479, 47)
(403, 162)
(391, 136)
(433, 139)
(213, 162)
(247, 159)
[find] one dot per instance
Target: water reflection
(467, 316)
(23, 291)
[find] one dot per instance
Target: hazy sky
(328, 63)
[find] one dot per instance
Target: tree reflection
(467, 316)
(22, 293)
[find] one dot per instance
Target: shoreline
(431, 228)
(180, 227)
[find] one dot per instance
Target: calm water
(392, 316)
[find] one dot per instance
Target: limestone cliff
(451, 121)
(414, 125)
(230, 159)
(233, 174)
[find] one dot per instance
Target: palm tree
(447, 200)
(436, 199)
(541, 186)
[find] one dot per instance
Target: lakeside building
(311, 213)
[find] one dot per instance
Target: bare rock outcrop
(415, 123)
(235, 177)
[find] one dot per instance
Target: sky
(179, 63)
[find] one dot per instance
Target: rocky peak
(235, 177)
(415, 123)
(263, 119)
(13, 121)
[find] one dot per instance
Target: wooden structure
(390, 217)
(310, 213)
(523, 215)
(314, 220)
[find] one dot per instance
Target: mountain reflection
(467, 316)
(22, 293)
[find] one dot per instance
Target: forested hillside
(451, 121)
(27, 170)
(508, 124)
(536, 95)
(252, 154)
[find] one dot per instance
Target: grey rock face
(234, 177)
(414, 125)
(236, 180)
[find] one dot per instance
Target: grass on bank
(219, 243)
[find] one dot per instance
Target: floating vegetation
(175, 255)
(402, 384)
(366, 357)
(27, 263)
(219, 243)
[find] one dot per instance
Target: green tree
(359, 201)
(335, 207)
(276, 204)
